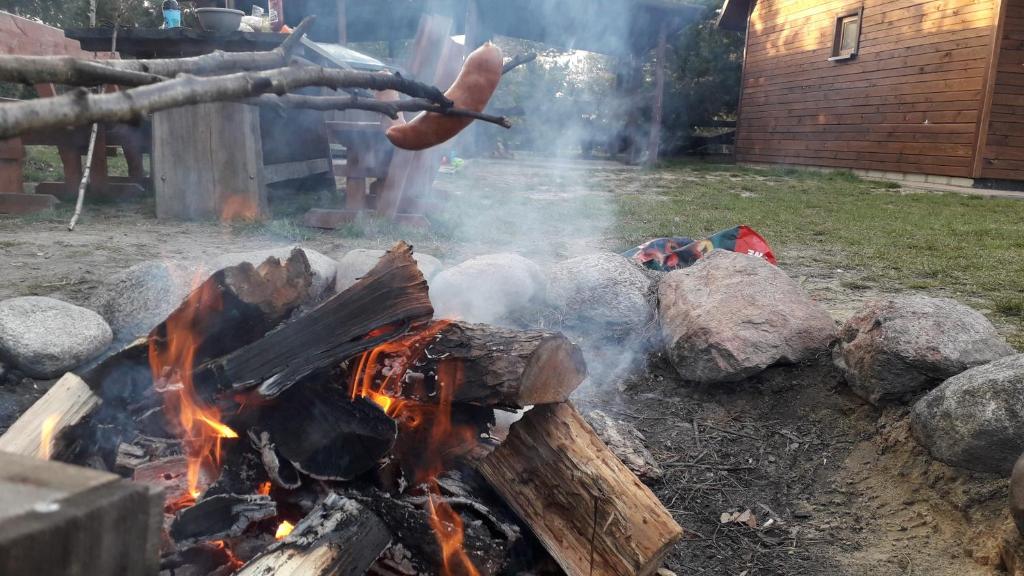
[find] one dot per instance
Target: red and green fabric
(679, 252)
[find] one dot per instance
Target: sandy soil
(845, 487)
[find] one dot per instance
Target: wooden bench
(21, 36)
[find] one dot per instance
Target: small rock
(897, 347)
(487, 288)
(626, 442)
(730, 316)
(601, 292)
(44, 337)
(802, 509)
(974, 419)
(665, 572)
(324, 268)
(356, 263)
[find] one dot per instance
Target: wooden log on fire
(221, 516)
(377, 308)
(339, 537)
(589, 511)
(509, 368)
(326, 434)
(64, 405)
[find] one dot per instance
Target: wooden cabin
(913, 89)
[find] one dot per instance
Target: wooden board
(910, 101)
(208, 163)
(24, 203)
(61, 519)
(1003, 158)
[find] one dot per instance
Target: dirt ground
(837, 486)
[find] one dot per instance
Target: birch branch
(75, 72)
(79, 107)
(387, 108)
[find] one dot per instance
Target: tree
(703, 78)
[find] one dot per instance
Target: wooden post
(208, 163)
(12, 155)
(61, 519)
(342, 21)
(654, 143)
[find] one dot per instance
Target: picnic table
(216, 160)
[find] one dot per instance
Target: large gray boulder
(975, 420)
(356, 263)
(487, 288)
(44, 337)
(897, 347)
(602, 292)
(730, 316)
(137, 299)
(324, 268)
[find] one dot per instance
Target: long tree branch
(390, 109)
(75, 72)
(79, 107)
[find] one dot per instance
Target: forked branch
(390, 109)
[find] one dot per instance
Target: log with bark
(339, 537)
(588, 510)
(221, 516)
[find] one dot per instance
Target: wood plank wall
(910, 101)
(1003, 157)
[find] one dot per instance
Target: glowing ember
(46, 436)
(171, 361)
(284, 529)
(264, 489)
(423, 425)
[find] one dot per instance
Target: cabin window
(847, 36)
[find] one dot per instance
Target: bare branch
(518, 60)
(79, 107)
(390, 109)
(68, 70)
(75, 72)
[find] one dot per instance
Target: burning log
(221, 516)
(509, 368)
(281, 472)
(381, 306)
(588, 510)
(64, 405)
(327, 435)
(338, 538)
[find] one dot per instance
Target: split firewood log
(588, 510)
(339, 537)
(377, 308)
(64, 405)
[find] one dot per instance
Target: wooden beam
(61, 519)
(588, 510)
(25, 203)
(991, 72)
(654, 143)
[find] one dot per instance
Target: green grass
(964, 246)
(42, 164)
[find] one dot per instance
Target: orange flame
(264, 489)
(239, 207)
(171, 362)
(430, 424)
(46, 436)
(283, 529)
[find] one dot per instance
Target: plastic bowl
(219, 20)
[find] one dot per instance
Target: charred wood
(588, 510)
(393, 294)
(219, 517)
(339, 537)
(280, 471)
(326, 434)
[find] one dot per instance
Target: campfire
(358, 436)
